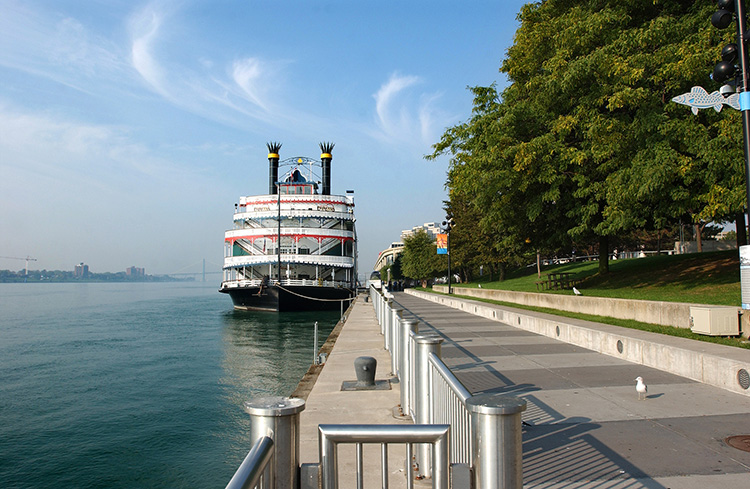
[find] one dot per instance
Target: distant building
(389, 255)
(135, 272)
(81, 271)
(431, 228)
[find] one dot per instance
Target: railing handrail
(331, 435)
(309, 282)
(450, 408)
(251, 472)
(237, 261)
(449, 377)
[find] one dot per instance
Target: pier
(584, 424)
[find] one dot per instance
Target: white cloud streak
(403, 116)
(145, 26)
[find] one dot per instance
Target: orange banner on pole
(442, 244)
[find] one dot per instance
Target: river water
(137, 385)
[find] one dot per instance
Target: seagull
(576, 291)
(641, 388)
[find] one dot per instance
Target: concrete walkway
(327, 403)
(587, 428)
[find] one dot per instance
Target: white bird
(480, 286)
(641, 388)
(576, 291)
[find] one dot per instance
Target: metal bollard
(404, 375)
(496, 441)
(278, 418)
(426, 344)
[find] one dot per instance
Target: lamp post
(447, 225)
(724, 70)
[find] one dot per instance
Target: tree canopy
(584, 144)
(420, 260)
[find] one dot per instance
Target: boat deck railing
(230, 284)
(288, 258)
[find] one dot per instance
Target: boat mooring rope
(314, 298)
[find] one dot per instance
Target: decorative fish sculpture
(698, 98)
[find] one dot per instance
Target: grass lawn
(701, 278)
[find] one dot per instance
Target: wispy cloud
(244, 88)
(97, 156)
(403, 114)
(247, 74)
(145, 28)
(57, 47)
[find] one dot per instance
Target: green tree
(584, 144)
(420, 259)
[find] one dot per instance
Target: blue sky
(129, 129)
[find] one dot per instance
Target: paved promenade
(327, 403)
(586, 426)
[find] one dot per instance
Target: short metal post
(316, 359)
(278, 418)
(426, 344)
(395, 339)
(404, 375)
(496, 441)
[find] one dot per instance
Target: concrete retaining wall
(675, 314)
(717, 365)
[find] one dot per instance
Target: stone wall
(675, 314)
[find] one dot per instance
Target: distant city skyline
(128, 130)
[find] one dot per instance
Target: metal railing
(254, 472)
(327, 260)
(286, 282)
(331, 436)
(431, 393)
(449, 407)
(479, 436)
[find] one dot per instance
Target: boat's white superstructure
(292, 242)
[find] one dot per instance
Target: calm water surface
(137, 385)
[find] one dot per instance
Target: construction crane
(26, 268)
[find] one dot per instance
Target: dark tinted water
(137, 385)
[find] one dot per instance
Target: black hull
(288, 298)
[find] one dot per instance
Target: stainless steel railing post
(395, 339)
(387, 323)
(426, 344)
(278, 418)
(408, 326)
(497, 449)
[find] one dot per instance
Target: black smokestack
(273, 166)
(326, 149)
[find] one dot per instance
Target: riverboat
(295, 248)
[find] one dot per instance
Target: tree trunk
(538, 265)
(658, 242)
(698, 237)
(739, 224)
(603, 255)
(502, 271)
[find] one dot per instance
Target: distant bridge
(202, 273)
